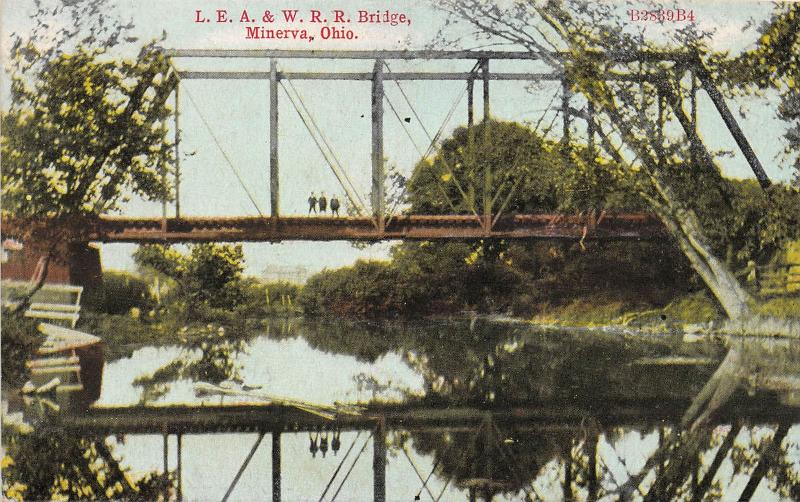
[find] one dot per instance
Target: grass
(581, 312)
(692, 308)
(787, 307)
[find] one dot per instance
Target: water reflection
(615, 416)
(210, 357)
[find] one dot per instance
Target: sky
(222, 119)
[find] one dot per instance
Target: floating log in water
(675, 361)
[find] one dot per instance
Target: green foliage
(208, 355)
(82, 130)
(781, 308)
(210, 275)
(774, 63)
(213, 274)
(85, 130)
(368, 288)
(758, 224)
(19, 341)
(500, 276)
(48, 462)
(533, 174)
(742, 222)
(121, 292)
(264, 299)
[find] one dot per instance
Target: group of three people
(322, 202)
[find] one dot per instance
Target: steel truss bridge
(377, 222)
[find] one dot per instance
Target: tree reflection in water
(207, 356)
(596, 374)
(715, 406)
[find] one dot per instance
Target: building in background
(293, 274)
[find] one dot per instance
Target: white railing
(53, 302)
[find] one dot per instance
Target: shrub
(121, 292)
(367, 289)
(19, 341)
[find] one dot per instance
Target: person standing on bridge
(334, 206)
(323, 203)
(312, 203)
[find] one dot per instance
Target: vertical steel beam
(177, 151)
(377, 144)
(274, 180)
(565, 116)
(164, 201)
(485, 75)
(276, 466)
(180, 467)
(166, 452)
(379, 461)
(471, 121)
(487, 170)
(733, 127)
(590, 130)
(693, 101)
(470, 101)
(660, 131)
(593, 485)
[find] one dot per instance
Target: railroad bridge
(374, 221)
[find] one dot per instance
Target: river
(613, 394)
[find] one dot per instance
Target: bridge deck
(254, 417)
(404, 227)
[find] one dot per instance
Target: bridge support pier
(276, 466)
(379, 461)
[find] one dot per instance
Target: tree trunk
(719, 279)
(683, 225)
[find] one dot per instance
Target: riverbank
(693, 313)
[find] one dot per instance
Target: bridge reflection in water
(524, 414)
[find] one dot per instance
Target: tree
(529, 174)
(210, 274)
(589, 43)
(82, 132)
(50, 462)
(774, 63)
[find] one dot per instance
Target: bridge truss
(488, 221)
(484, 222)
